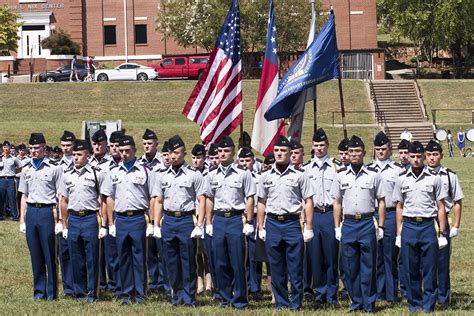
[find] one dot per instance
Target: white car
(126, 71)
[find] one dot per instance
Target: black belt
(82, 213)
(359, 216)
(130, 213)
(228, 213)
(418, 219)
(391, 209)
(40, 205)
(7, 177)
(324, 209)
(179, 214)
(283, 217)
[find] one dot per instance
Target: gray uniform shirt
(231, 187)
(155, 164)
(82, 187)
(451, 186)
(132, 189)
(179, 190)
(8, 166)
(389, 173)
(95, 162)
(419, 194)
(66, 163)
(322, 173)
(284, 192)
(358, 192)
(42, 184)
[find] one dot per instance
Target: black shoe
(256, 296)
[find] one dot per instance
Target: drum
(441, 134)
(470, 134)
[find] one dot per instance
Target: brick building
(98, 26)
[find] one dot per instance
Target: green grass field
(52, 108)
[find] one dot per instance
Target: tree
(8, 30)
(197, 22)
(432, 25)
(60, 43)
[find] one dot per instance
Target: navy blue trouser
(112, 264)
(42, 244)
(444, 279)
(254, 267)
(131, 249)
(324, 258)
(359, 258)
(387, 259)
(307, 271)
(66, 266)
(103, 266)
(420, 263)
(210, 261)
(157, 267)
(8, 197)
(285, 250)
(181, 258)
(83, 239)
(228, 245)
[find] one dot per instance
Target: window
(199, 60)
(180, 61)
(33, 27)
(110, 36)
(140, 34)
(167, 62)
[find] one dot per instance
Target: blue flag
(319, 63)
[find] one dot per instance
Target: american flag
(216, 101)
(265, 133)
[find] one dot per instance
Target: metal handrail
(420, 96)
(379, 115)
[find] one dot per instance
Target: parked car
(126, 71)
(182, 66)
(63, 73)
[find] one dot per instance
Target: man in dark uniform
(39, 183)
(9, 166)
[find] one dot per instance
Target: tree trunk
(456, 51)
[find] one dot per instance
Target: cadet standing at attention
(453, 201)
(176, 189)
(387, 252)
(284, 192)
(67, 141)
(232, 191)
(99, 147)
(403, 154)
(9, 166)
(39, 183)
(129, 191)
(420, 196)
(321, 171)
(82, 221)
(355, 191)
(343, 152)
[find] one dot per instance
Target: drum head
(441, 134)
(470, 134)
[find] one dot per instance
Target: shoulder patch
(337, 161)
(70, 168)
(191, 168)
(342, 169)
(450, 171)
(212, 168)
(161, 170)
(299, 169)
(398, 164)
(241, 167)
(53, 162)
(433, 172)
(404, 172)
(372, 169)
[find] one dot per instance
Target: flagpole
(339, 80)
(315, 103)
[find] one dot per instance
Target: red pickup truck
(181, 66)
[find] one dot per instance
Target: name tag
(406, 189)
(345, 186)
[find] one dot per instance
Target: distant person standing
(90, 67)
(406, 135)
(74, 68)
(450, 144)
(461, 141)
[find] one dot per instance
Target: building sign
(34, 6)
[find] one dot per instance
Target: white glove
(58, 228)
(23, 228)
(209, 229)
(103, 232)
(453, 232)
(338, 233)
(262, 234)
(308, 235)
(248, 229)
(157, 232)
(197, 232)
(380, 234)
(65, 231)
(112, 230)
(442, 242)
(149, 230)
(398, 241)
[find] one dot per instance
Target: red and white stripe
(216, 101)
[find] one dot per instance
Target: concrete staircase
(398, 105)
